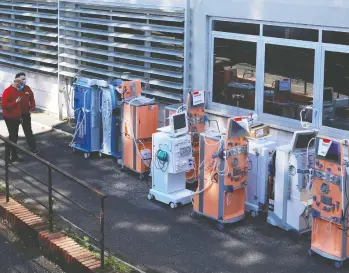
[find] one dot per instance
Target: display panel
(179, 122)
(302, 140)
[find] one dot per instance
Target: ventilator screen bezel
(296, 138)
(178, 131)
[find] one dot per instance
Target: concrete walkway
(151, 235)
(17, 257)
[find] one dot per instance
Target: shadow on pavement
(151, 235)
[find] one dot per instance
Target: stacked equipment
(195, 109)
(222, 185)
(87, 115)
(329, 236)
(111, 105)
(140, 121)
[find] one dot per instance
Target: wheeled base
(253, 209)
(273, 220)
(338, 263)
(113, 155)
(87, 154)
(220, 223)
(173, 199)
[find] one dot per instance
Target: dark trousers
(12, 127)
(27, 129)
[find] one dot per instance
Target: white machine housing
(169, 182)
(260, 153)
(292, 199)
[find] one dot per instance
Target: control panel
(236, 161)
(327, 190)
(173, 154)
(197, 117)
(182, 156)
(299, 166)
(330, 182)
(196, 123)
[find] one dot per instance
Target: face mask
(20, 88)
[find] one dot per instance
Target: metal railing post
(7, 182)
(50, 201)
(102, 231)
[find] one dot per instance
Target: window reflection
(288, 81)
(336, 91)
(234, 75)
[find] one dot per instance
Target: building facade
(286, 60)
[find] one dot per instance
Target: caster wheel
(338, 265)
(254, 213)
(173, 205)
(310, 252)
(86, 155)
(193, 215)
(73, 150)
(119, 161)
(150, 197)
(220, 226)
(141, 177)
(100, 155)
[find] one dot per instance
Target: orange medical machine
(140, 121)
(196, 122)
(221, 191)
(330, 202)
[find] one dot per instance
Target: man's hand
(18, 99)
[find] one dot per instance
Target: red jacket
(11, 109)
(27, 101)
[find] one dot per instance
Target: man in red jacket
(27, 105)
(12, 115)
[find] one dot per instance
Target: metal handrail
(53, 167)
(76, 180)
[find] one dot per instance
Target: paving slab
(154, 237)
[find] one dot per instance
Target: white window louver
(29, 34)
(124, 41)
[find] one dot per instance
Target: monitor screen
(331, 153)
(235, 129)
(285, 85)
(302, 140)
(179, 122)
(328, 94)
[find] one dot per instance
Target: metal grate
(29, 34)
(128, 42)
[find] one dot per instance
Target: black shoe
(16, 159)
(36, 151)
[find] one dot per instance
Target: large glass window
(235, 27)
(335, 37)
(336, 90)
(288, 81)
(234, 72)
(291, 33)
